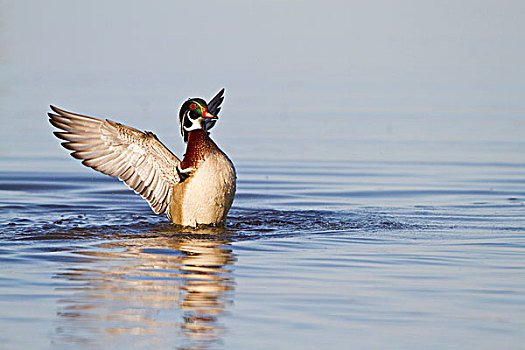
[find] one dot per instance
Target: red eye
(193, 106)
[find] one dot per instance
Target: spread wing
(135, 157)
(214, 106)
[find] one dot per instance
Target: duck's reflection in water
(163, 291)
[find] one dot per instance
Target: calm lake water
(318, 252)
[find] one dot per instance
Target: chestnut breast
(199, 145)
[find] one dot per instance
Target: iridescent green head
(194, 115)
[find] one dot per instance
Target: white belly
(207, 195)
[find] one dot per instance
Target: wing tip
(56, 109)
(60, 135)
(53, 121)
(59, 112)
(70, 115)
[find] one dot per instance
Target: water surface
(314, 254)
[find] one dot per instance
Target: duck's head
(194, 115)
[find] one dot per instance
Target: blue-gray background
(431, 63)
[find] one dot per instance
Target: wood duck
(198, 190)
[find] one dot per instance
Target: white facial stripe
(199, 105)
(195, 123)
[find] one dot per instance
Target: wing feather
(137, 158)
(214, 106)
